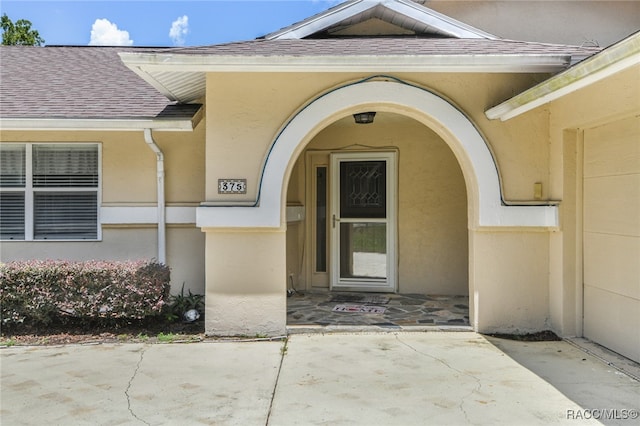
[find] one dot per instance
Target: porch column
(245, 282)
(509, 273)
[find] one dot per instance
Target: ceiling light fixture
(364, 117)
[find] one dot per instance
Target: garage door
(612, 236)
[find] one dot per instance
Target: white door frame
(359, 284)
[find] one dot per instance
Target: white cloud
(104, 33)
(179, 30)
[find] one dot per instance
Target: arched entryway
(389, 95)
(480, 174)
(265, 220)
(426, 242)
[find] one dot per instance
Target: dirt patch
(541, 336)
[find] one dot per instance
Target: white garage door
(612, 236)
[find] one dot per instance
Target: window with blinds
(12, 191)
(49, 191)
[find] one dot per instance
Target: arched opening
(429, 230)
(266, 219)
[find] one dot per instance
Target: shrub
(42, 292)
(181, 303)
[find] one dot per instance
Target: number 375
(235, 186)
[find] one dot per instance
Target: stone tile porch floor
(315, 310)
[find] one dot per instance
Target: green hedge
(43, 292)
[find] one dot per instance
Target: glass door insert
(363, 222)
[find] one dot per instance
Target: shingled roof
(118, 83)
(79, 82)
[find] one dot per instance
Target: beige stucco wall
(568, 22)
(128, 181)
(432, 200)
(590, 129)
(117, 244)
(245, 283)
(185, 254)
(250, 109)
(509, 271)
(244, 116)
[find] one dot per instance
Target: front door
(363, 222)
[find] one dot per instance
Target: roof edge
(457, 28)
(323, 20)
(616, 58)
(315, 23)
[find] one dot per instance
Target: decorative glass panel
(363, 192)
(12, 166)
(321, 219)
(65, 166)
(65, 215)
(12, 215)
(363, 250)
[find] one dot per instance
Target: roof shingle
(78, 82)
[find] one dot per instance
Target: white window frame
(29, 191)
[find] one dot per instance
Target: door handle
(335, 219)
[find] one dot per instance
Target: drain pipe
(162, 222)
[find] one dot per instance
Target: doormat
(359, 309)
(373, 299)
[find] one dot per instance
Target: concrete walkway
(356, 379)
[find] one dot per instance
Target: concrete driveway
(356, 379)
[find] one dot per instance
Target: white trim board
(617, 58)
(174, 215)
(395, 10)
(145, 215)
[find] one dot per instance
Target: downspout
(162, 222)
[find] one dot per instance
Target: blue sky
(158, 22)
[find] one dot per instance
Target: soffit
(180, 73)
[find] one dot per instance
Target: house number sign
(232, 186)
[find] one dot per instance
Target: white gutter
(146, 63)
(610, 61)
(162, 222)
(98, 124)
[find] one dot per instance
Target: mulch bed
(156, 330)
(542, 336)
(149, 331)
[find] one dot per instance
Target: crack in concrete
(133, 376)
(283, 352)
(477, 388)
